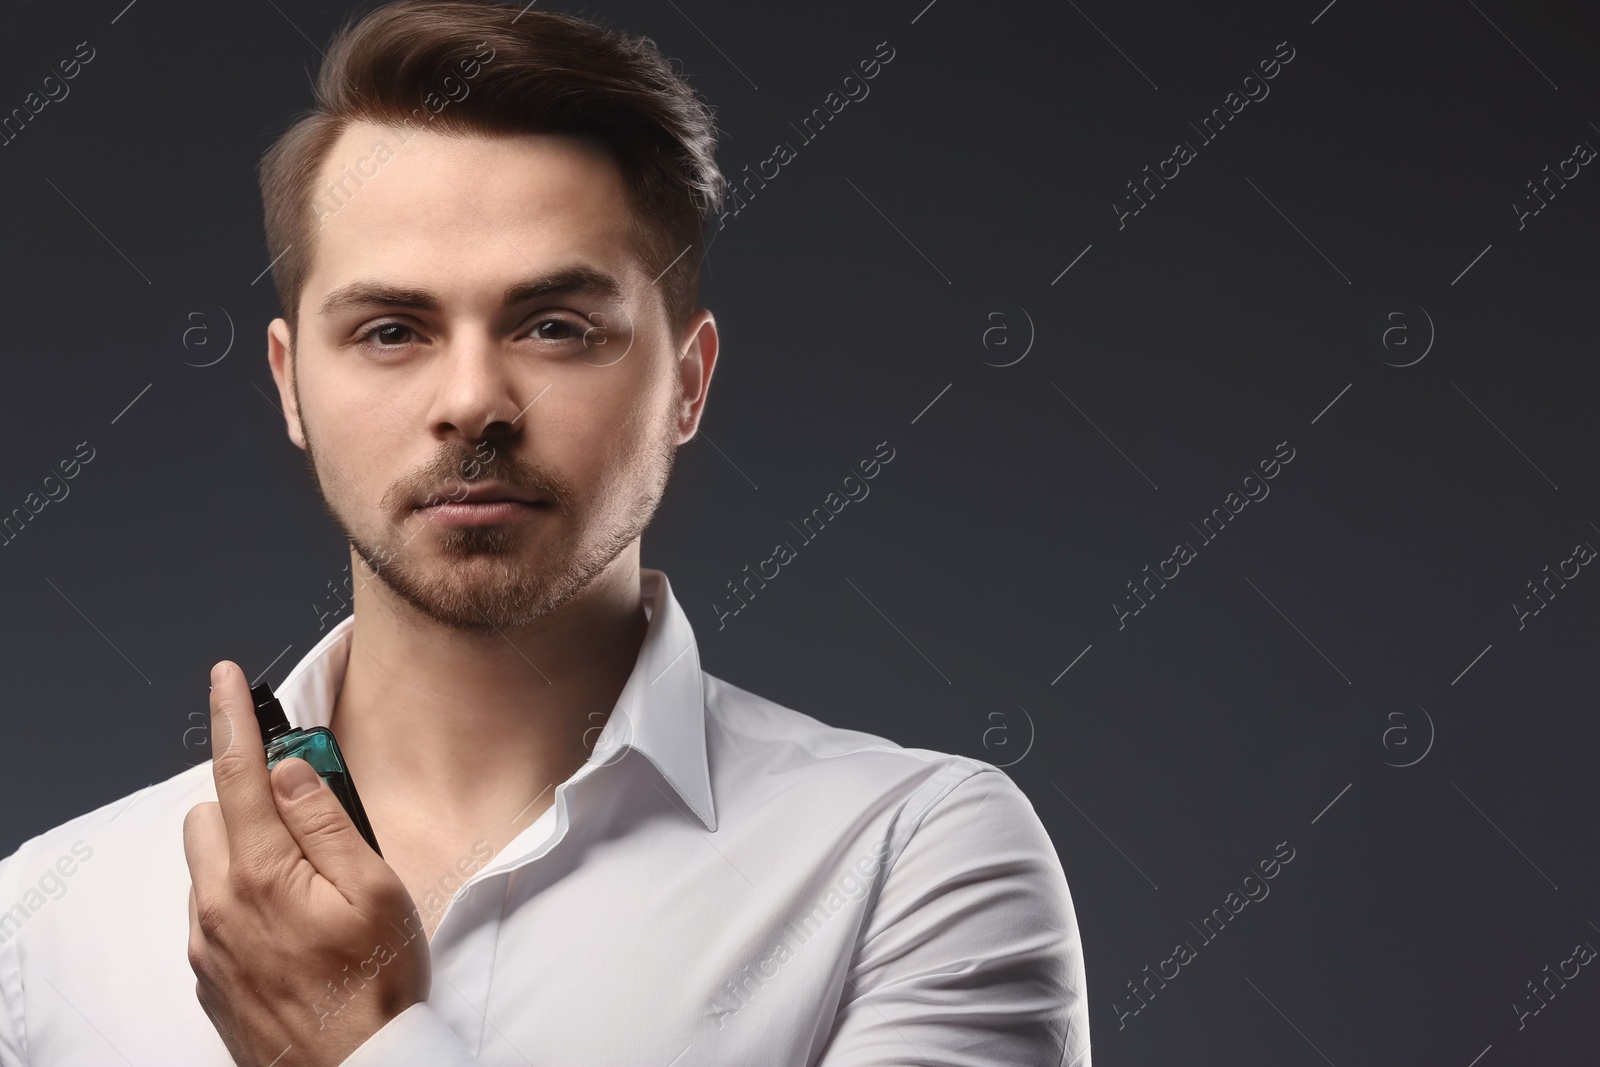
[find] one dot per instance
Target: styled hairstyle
(475, 67)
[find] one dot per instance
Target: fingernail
(296, 779)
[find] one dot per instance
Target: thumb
(319, 824)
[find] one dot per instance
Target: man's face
(415, 384)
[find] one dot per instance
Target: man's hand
(304, 941)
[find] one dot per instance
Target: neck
(443, 728)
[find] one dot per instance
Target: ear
(281, 359)
(697, 358)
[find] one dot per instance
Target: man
(485, 241)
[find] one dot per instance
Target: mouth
(480, 506)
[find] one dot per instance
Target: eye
(388, 335)
(555, 330)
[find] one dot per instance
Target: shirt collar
(660, 712)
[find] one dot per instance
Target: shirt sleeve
(11, 1031)
(417, 1037)
(971, 957)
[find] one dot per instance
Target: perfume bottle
(317, 747)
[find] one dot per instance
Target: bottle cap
(269, 713)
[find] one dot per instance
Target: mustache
(458, 469)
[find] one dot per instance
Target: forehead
(461, 213)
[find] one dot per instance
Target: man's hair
(474, 67)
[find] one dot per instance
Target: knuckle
(322, 821)
(230, 764)
(199, 955)
(210, 916)
(249, 879)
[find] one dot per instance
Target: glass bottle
(317, 747)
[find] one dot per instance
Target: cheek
(357, 440)
(610, 423)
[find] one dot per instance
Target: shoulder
(116, 850)
(752, 739)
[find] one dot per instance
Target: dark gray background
(1359, 617)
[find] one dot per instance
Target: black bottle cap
(269, 713)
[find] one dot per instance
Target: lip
(479, 494)
(480, 505)
(478, 513)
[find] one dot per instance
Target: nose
(477, 393)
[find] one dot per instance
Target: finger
(256, 835)
(322, 828)
(205, 845)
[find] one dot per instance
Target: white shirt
(725, 882)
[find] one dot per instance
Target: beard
(491, 578)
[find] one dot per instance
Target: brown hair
(404, 63)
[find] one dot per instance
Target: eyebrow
(581, 281)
